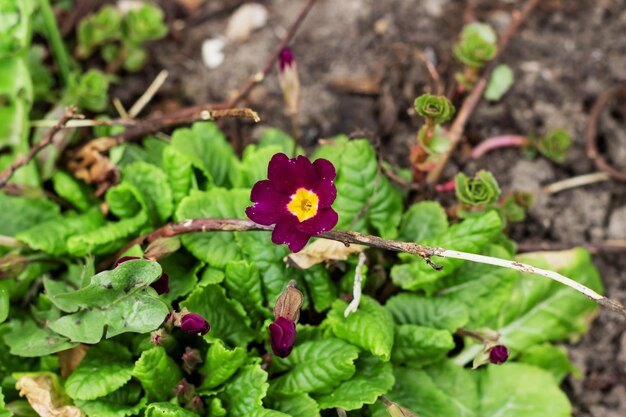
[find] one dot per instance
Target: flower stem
(497, 142)
(56, 42)
(347, 238)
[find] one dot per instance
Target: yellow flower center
(303, 204)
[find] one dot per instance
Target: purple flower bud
(191, 359)
(285, 59)
(194, 323)
(498, 354)
(162, 285)
(282, 336)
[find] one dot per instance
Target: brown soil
(566, 55)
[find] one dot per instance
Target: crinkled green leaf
(220, 364)
(430, 312)
(4, 412)
(179, 171)
(5, 304)
(420, 345)
(151, 182)
(124, 200)
(71, 190)
(245, 392)
(372, 379)
(422, 221)
(19, 213)
(321, 287)
(163, 409)
(471, 235)
(107, 238)
(104, 408)
(207, 149)
(500, 82)
(52, 236)
(553, 359)
(29, 340)
(106, 368)
(228, 319)
(254, 164)
(520, 390)
(273, 137)
(243, 282)
(370, 327)
(158, 373)
(115, 302)
(215, 248)
(183, 269)
(301, 405)
(316, 366)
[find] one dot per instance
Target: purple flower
(498, 354)
(194, 323)
(297, 197)
(162, 285)
(282, 336)
(285, 59)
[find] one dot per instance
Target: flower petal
(269, 207)
(286, 231)
(287, 175)
(325, 220)
(326, 193)
(325, 169)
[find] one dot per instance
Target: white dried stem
(356, 291)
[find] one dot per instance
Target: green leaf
(214, 248)
(96, 29)
(316, 366)
(254, 164)
(273, 137)
(115, 302)
(144, 24)
(124, 200)
(519, 390)
(243, 282)
(28, 340)
(320, 287)
(158, 373)
(442, 390)
(228, 319)
(106, 368)
(364, 195)
(301, 405)
(555, 145)
(372, 379)
(67, 187)
(553, 359)
(422, 221)
(370, 327)
(3, 411)
(421, 345)
(471, 235)
(19, 213)
(179, 171)
(184, 268)
(163, 409)
(151, 182)
(500, 82)
(477, 45)
(104, 408)
(89, 90)
(5, 304)
(479, 191)
(429, 312)
(220, 364)
(245, 392)
(107, 238)
(207, 149)
(438, 109)
(52, 236)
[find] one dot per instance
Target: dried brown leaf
(45, 394)
(322, 250)
(70, 359)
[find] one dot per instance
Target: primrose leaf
(158, 373)
(430, 312)
(106, 368)
(243, 282)
(179, 171)
(321, 287)
(107, 238)
(424, 220)
(29, 340)
(364, 195)
(301, 405)
(216, 249)
(254, 164)
(370, 327)
(20, 213)
(163, 409)
(209, 151)
(500, 82)
(520, 390)
(220, 364)
(442, 390)
(115, 302)
(104, 408)
(245, 392)
(7, 413)
(71, 190)
(471, 235)
(52, 236)
(316, 366)
(553, 359)
(228, 319)
(151, 182)
(124, 200)
(372, 379)
(421, 345)
(273, 137)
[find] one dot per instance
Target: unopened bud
(184, 391)
(196, 405)
(289, 80)
(289, 303)
(191, 359)
(194, 323)
(282, 336)
(498, 354)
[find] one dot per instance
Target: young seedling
(553, 145)
(476, 47)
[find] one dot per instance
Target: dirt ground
(567, 54)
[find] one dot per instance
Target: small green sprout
(482, 190)
(555, 145)
(435, 109)
(476, 47)
(89, 90)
